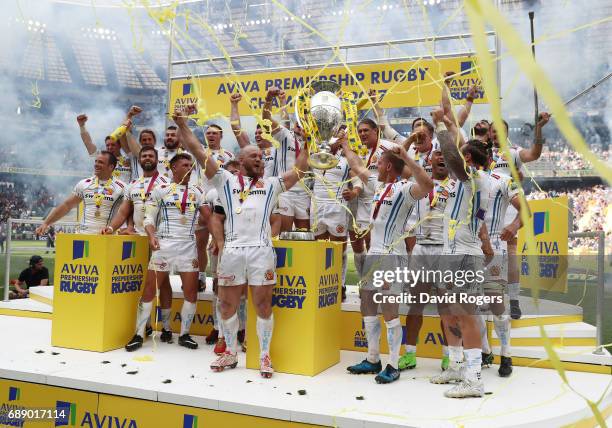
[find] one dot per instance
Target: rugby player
(504, 193)
(170, 220)
(429, 228)
(293, 205)
(123, 170)
(465, 211)
(329, 208)
(101, 195)
(248, 256)
(133, 207)
(501, 165)
(391, 206)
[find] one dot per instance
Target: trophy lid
(325, 85)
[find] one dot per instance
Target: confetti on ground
(145, 358)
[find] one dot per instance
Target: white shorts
(409, 226)
(247, 265)
(460, 265)
(374, 265)
(510, 215)
(329, 217)
(213, 260)
(426, 257)
(293, 204)
(496, 271)
(361, 211)
(175, 256)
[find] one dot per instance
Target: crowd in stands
(592, 211)
(567, 159)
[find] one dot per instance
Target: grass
(578, 292)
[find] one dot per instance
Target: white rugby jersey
(164, 211)
(222, 156)
(286, 155)
(501, 164)
(391, 206)
(164, 156)
(109, 194)
(138, 192)
(429, 214)
(329, 184)
(466, 209)
(371, 160)
(269, 158)
(247, 224)
(503, 189)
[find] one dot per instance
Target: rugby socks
(410, 348)
(264, 334)
(344, 267)
(242, 313)
(473, 359)
(455, 357)
(482, 326)
(502, 329)
(215, 312)
(202, 277)
(359, 260)
(187, 313)
(514, 289)
(144, 313)
(165, 319)
(229, 328)
(394, 339)
(372, 329)
(444, 350)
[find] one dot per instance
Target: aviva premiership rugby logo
(541, 222)
(66, 413)
(284, 257)
(190, 421)
(329, 258)
(80, 249)
(14, 394)
(129, 250)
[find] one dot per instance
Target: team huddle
(435, 200)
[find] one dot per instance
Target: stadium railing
(9, 247)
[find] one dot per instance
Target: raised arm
(58, 212)
(447, 137)
(535, 151)
(191, 143)
(290, 178)
(123, 140)
(85, 137)
(282, 101)
(446, 104)
(355, 162)
(424, 184)
(132, 144)
(243, 139)
(267, 109)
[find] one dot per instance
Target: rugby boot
(220, 346)
(134, 343)
(487, 359)
(515, 310)
(265, 367)
(186, 341)
(407, 361)
(447, 376)
(212, 337)
(388, 375)
(505, 367)
(365, 367)
(444, 362)
(226, 360)
(166, 336)
(466, 388)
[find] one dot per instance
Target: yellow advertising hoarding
(401, 83)
(547, 268)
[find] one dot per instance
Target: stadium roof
(122, 3)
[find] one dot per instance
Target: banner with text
(401, 84)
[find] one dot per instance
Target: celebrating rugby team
(440, 199)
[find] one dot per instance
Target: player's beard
(148, 166)
(171, 145)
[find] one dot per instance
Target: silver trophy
(326, 110)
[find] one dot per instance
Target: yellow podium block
(98, 282)
(306, 306)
